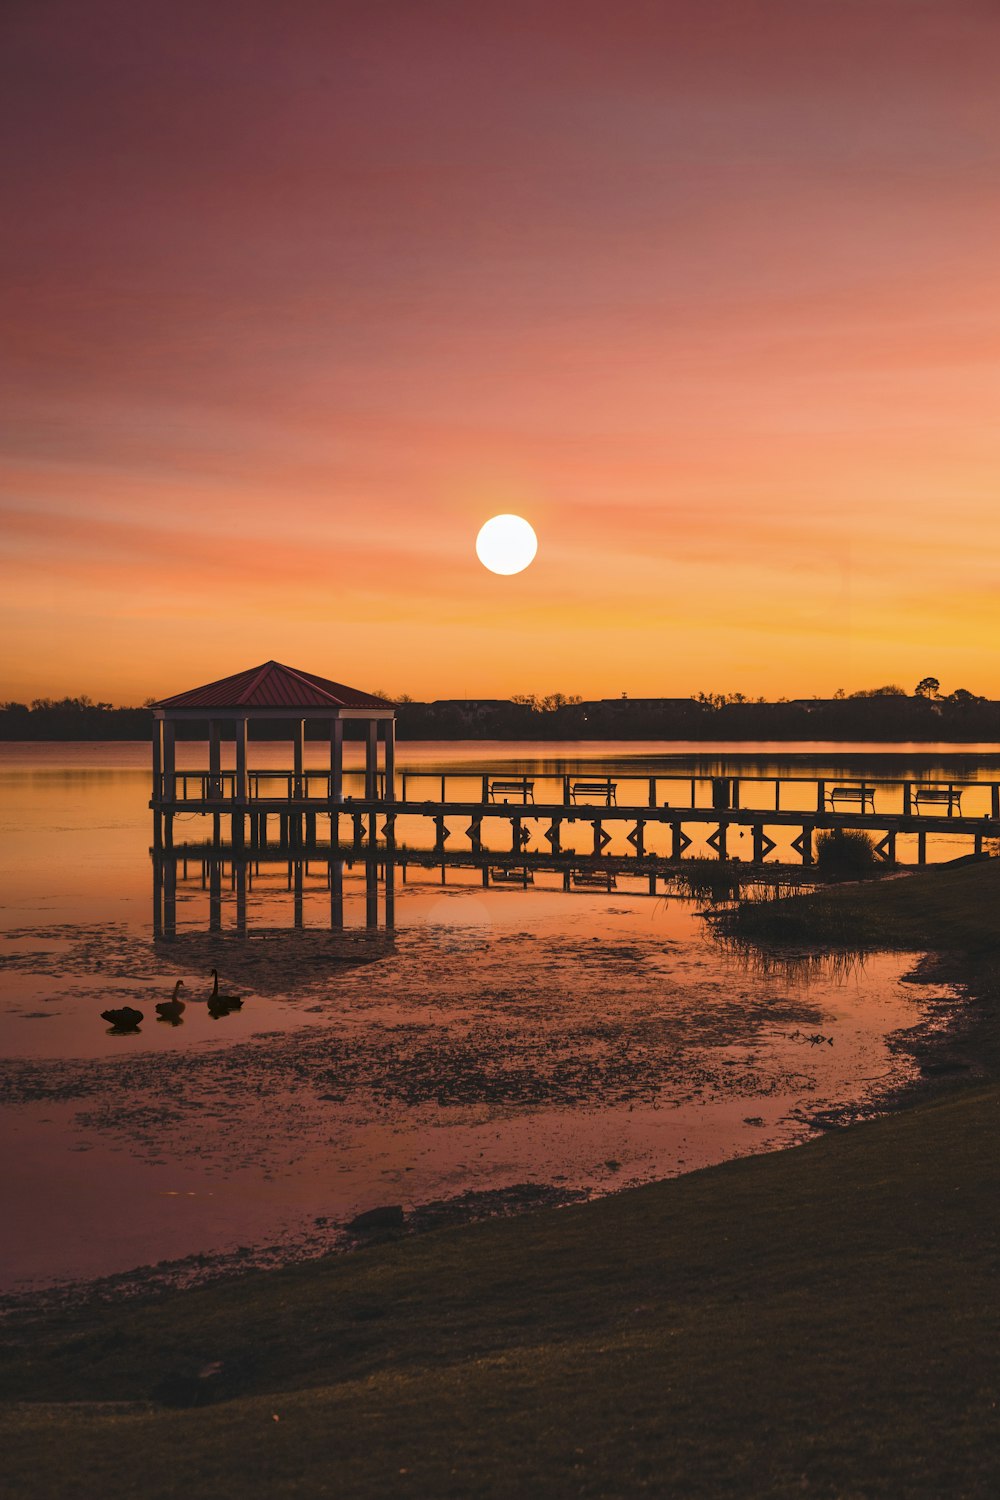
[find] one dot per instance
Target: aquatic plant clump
(845, 850)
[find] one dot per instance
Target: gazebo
(268, 692)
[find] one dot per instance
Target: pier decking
(289, 807)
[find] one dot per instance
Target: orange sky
(297, 296)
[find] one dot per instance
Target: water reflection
(229, 894)
(502, 1025)
(232, 885)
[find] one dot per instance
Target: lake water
(507, 1036)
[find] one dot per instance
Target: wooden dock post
(336, 879)
(240, 873)
(170, 899)
(215, 896)
(717, 841)
(298, 874)
(637, 838)
(371, 893)
(804, 843)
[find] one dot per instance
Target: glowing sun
(506, 544)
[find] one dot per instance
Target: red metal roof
(274, 686)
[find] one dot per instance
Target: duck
(171, 1010)
(233, 1002)
(125, 1018)
(223, 1007)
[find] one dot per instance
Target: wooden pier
(770, 818)
(661, 815)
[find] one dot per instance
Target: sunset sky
(296, 296)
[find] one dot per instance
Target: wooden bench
(939, 796)
(518, 786)
(602, 880)
(860, 796)
(607, 789)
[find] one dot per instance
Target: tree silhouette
(927, 687)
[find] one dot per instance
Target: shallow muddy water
(507, 1034)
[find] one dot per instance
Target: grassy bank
(952, 908)
(818, 1322)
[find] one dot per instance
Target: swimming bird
(233, 1001)
(223, 1007)
(171, 1010)
(125, 1018)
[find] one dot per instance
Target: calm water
(553, 1033)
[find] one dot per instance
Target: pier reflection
(272, 922)
(229, 894)
(222, 890)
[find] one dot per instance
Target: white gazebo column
(240, 794)
(169, 779)
(214, 788)
(389, 730)
(299, 748)
(169, 762)
(157, 797)
(296, 820)
(336, 760)
(214, 758)
(157, 760)
(241, 760)
(371, 761)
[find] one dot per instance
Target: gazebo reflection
(224, 891)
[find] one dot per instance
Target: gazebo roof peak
(272, 685)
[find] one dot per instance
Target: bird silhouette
(125, 1018)
(171, 1010)
(231, 1002)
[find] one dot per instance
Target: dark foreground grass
(820, 1322)
(953, 908)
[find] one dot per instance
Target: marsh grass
(845, 851)
(951, 908)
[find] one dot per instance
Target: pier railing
(895, 797)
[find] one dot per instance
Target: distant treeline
(882, 714)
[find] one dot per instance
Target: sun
(506, 544)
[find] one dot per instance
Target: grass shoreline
(818, 1321)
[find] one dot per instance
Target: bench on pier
(860, 796)
(607, 789)
(938, 796)
(516, 786)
